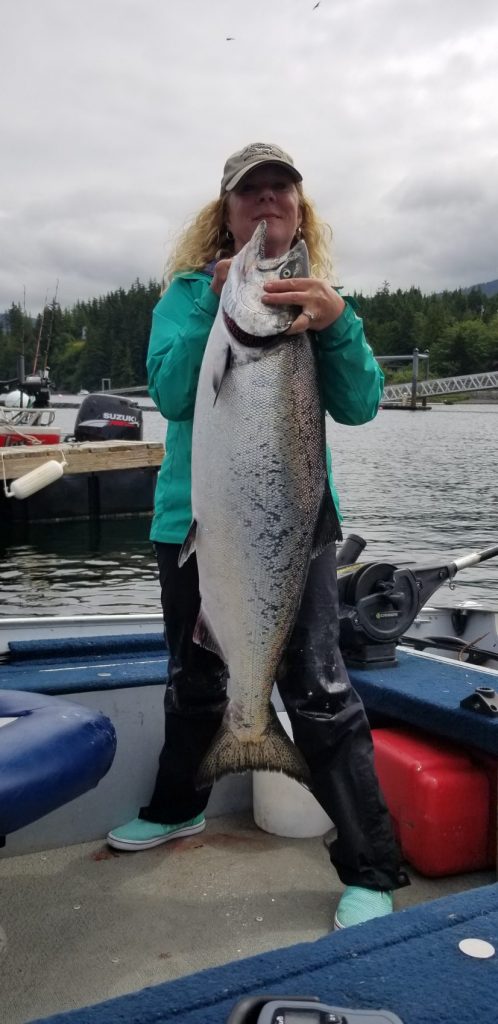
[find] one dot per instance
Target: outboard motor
(105, 417)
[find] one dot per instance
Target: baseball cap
(257, 153)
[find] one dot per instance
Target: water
(417, 486)
(420, 486)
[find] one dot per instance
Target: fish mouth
(253, 340)
(262, 261)
(251, 322)
(267, 264)
(263, 226)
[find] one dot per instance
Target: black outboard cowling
(105, 417)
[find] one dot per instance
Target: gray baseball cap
(245, 160)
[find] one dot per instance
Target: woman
(328, 719)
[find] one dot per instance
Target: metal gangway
(442, 386)
(409, 393)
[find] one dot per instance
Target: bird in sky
(316, 5)
(230, 39)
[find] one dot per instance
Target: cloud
(121, 114)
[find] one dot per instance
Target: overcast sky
(117, 117)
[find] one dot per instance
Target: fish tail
(272, 752)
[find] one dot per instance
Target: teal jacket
(350, 378)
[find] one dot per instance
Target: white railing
(16, 417)
(441, 386)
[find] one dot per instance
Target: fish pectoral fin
(203, 636)
(222, 364)
(328, 528)
(188, 546)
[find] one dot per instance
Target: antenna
(23, 318)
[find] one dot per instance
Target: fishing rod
(51, 327)
(38, 340)
(474, 558)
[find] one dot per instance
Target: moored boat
(108, 471)
(20, 426)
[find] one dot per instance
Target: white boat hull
(469, 622)
(471, 629)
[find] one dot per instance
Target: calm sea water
(418, 486)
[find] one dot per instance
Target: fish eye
(290, 268)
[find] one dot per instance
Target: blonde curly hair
(205, 238)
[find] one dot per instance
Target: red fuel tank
(440, 798)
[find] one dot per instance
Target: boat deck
(85, 924)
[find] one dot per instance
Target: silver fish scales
(261, 503)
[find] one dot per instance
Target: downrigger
(379, 601)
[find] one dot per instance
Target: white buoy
(33, 481)
(15, 399)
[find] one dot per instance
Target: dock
(84, 457)
(101, 480)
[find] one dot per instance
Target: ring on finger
(311, 316)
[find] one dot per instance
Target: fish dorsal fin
(188, 546)
(203, 636)
(327, 529)
(221, 366)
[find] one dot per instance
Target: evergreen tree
(465, 347)
(108, 336)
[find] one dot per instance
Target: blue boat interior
(409, 963)
(38, 674)
(417, 690)
(55, 750)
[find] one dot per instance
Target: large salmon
(261, 502)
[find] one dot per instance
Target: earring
(225, 239)
(224, 236)
(299, 233)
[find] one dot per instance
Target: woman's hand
(321, 304)
(220, 275)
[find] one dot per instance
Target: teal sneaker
(143, 835)
(358, 905)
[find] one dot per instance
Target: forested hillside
(108, 336)
(459, 329)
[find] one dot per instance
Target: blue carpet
(92, 663)
(408, 963)
(427, 694)
(75, 647)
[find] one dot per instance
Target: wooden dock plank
(88, 457)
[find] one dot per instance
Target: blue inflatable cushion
(54, 751)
